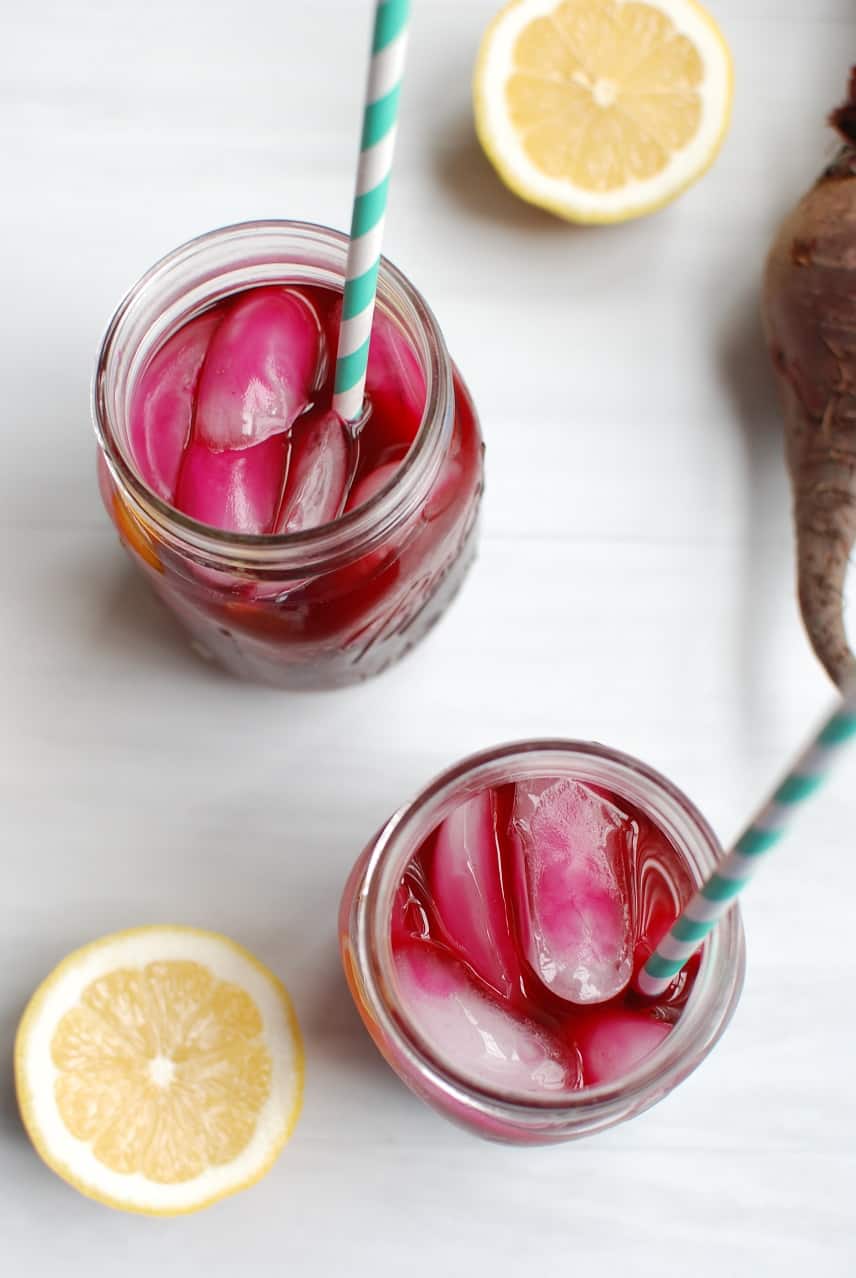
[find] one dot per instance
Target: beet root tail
(826, 532)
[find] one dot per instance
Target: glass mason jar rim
(286, 554)
(399, 839)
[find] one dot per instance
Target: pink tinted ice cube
(318, 474)
(395, 383)
(465, 883)
(260, 370)
(393, 369)
(574, 917)
(664, 886)
(162, 407)
(238, 490)
(370, 485)
(409, 916)
(478, 1038)
(614, 1043)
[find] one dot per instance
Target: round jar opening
(191, 280)
(717, 984)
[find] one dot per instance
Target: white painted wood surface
(634, 585)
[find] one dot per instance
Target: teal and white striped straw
(717, 896)
(380, 124)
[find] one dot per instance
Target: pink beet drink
(232, 424)
(295, 549)
(518, 926)
(491, 952)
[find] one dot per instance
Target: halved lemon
(602, 110)
(159, 1069)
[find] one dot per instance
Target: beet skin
(809, 309)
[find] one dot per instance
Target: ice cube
(370, 485)
(260, 370)
(162, 406)
(571, 889)
(394, 379)
(476, 1036)
(663, 887)
(409, 915)
(465, 883)
(318, 473)
(237, 490)
(614, 1042)
(395, 383)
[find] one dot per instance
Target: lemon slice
(602, 110)
(159, 1069)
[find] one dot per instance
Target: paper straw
(380, 124)
(717, 896)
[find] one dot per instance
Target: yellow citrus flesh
(159, 1069)
(601, 110)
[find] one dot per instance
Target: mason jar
(367, 956)
(318, 608)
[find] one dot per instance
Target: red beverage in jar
(296, 548)
(491, 932)
(517, 930)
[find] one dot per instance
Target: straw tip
(649, 986)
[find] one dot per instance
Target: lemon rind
(25, 1099)
(514, 175)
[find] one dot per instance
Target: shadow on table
(11, 1126)
(335, 1032)
(465, 173)
(745, 367)
(123, 619)
(335, 1039)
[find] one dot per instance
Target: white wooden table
(634, 585)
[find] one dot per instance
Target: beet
(809, 310)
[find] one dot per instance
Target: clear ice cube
(571, 889)
(162, 408)
(465, 882)
(318, 473)
(260, 370)
(476, 1036)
